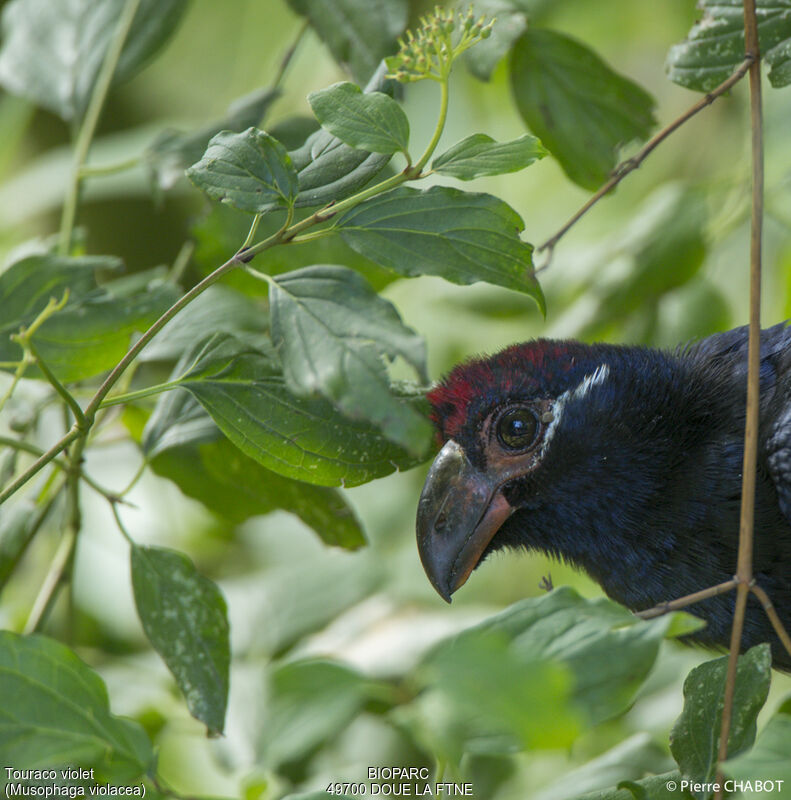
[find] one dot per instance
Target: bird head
(499, 420)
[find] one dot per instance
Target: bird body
(624, 461)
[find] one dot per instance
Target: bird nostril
(441, 521)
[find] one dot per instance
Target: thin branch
(181, 261)
(330, 210)
(90, 410)
(23, 337)
(148, 391)
(135, 349)
(48, 593)
(251, 233)
(782, 633)
(744, 572)
(121, 527)
(105, 417)
(97, 170)
(26, 447)
(241, 257)
(631, 164)
(32, 529)
(21, 367)
(54, 382)
(440, 127)
(40, 463)
(91, 119)
(289, 54)
(133, 482)
(688, 600)
(73, 516)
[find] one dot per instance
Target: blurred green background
(661, 261)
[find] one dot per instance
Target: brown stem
(713, 591)
(769, 608)
(744, 571)
(631, 164)
(688, 600)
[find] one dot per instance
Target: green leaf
(222, 228)
(27, 285)
(16, 526)
(183, 444)
(244, 391)
(359, 33)
(583, 634)
(185, 619)
(550, 674)
(250, 171)
(173, 151)
(329, 170)
(460, 236)
(330, 330)
(510, 23)
(524, 703)
(154, 23)
(694, 738)
(770, 759)
(88, 338)
(582, 111)
(177, 420)
(654, 787)
(628, 760)
(213, 472)
(714, 47)
(682, 624)
(665, 245)
(479, 155)
(218, 309)
(370, 121)
(55, 713)
(292, 132)
(92, 332)
(309, 703)
(56, 65)
(336, 584)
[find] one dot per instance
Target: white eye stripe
(582, 390)
(589, 381)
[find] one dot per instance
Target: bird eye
(517, 428)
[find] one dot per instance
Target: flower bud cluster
(441, 37)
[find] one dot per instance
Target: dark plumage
(624, 461)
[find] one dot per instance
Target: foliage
(581, 109)
(57, 713)
(716, 45)
(298, 377)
